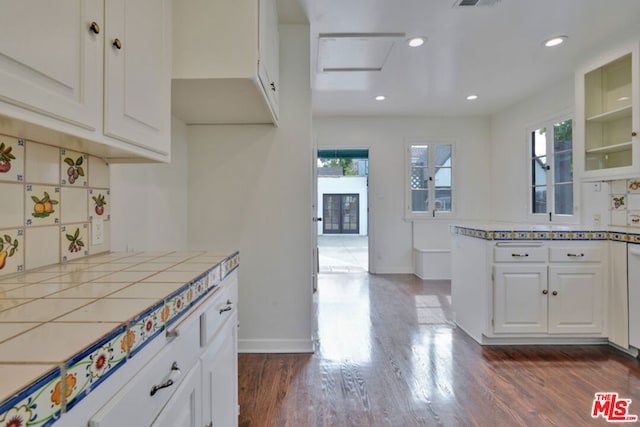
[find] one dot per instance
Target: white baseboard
(275, 346)
(392, 270)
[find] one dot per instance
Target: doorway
(343, 207)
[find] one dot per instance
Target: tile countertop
(521, 231)
(55, 316)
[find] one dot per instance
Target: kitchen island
(76, 338)
(538, 284)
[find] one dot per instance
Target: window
(429, 186)
(551, 167)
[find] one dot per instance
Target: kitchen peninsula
(80, 340)
(533, 284)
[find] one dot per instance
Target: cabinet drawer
(216, 313)
(520, 254)
(134, 405)
(575, 254)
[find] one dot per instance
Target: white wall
(344, 185)
(149, 201)
(509, 148)
(250, 189)
(391, 237)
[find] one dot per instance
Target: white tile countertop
(57, 318)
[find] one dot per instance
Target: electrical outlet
(97, 231)
(596, 219)
(597, 187)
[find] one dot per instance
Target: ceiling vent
(465, 3)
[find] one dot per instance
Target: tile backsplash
(624, 202)
(51, 199)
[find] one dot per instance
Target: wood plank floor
(388, 354)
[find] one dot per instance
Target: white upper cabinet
(137, 104)
(269, 44)
(225, 61)
(607, 116)
(62, 74)
(51, 58)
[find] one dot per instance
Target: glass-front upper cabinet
(607, 117)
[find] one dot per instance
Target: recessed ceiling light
(472, 97)
(416, 41)
(380, 98)
(555, 41)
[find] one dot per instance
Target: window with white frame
(429, 184)
(551, 185)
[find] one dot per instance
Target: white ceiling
(493, 51)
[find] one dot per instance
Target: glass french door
(341, 213)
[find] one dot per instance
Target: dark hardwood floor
(388, 354)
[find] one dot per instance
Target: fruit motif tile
(39, 404)
(73, 168)
(88, 369)
(73, 240)
(42, 205)
(99, 204)
(11, 251)
(11, 204)
(74, 207)
(46, 240)
(11, 159)
(42, 164)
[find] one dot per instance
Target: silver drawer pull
(228, 308)
(175, 372)
(575, 255)
(519, 255)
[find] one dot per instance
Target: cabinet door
(607, 116)
(184, 408)
(519, 299)
(269, 47)
(138, 73)
(575, 299)
(50, 59)
(220, 378)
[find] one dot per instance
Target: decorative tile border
(145, 327)
(542, 235)
(230, 264)
(176, 304)
(38, 404)
(89, 368)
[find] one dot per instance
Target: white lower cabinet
(575, 299)
(520, 301)
(559, 294)
(184, 409)
(191, 380)
(219, 379)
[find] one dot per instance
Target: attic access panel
(344, 52)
